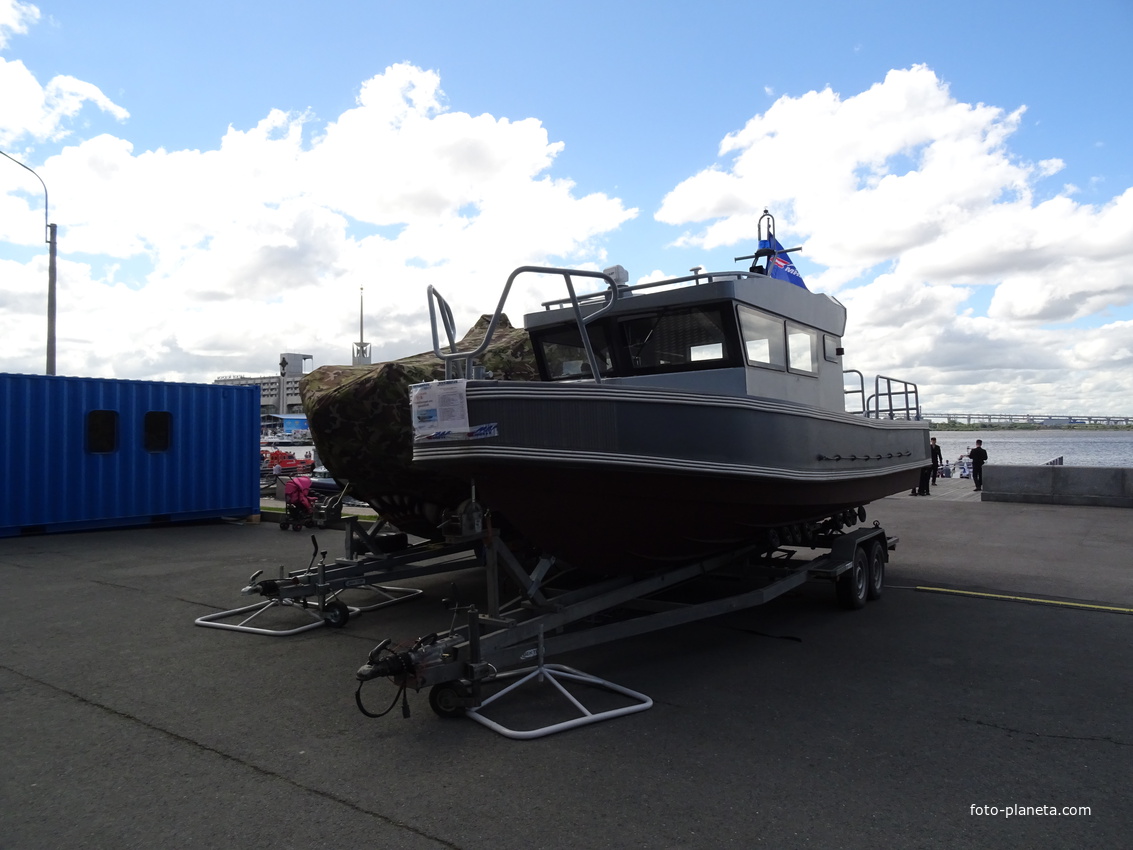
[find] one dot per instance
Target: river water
(1077, 448)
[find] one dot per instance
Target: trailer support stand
(555, 675)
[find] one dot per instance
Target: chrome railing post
(438, 304)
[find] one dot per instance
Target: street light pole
(50, 236)
(51, 300)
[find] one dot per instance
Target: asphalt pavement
(995, 672)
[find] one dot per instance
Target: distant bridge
(1025, 418)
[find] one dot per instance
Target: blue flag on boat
(780, 266)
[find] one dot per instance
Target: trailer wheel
(853, 584)
(445, 699)
(876, 570)
(336, 614)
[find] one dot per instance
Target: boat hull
(617, 478)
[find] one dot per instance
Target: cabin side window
(157, 431)
(675, 340)
(563, 355)
(102, 431)
(830, 346)
(802, 349)
(763, 339)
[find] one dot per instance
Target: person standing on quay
(978, 456)
(936, 456)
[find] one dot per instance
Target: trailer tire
(336, 614)
(445, 700)
(852, 587)
(877, 556)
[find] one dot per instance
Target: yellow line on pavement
(1111, 608)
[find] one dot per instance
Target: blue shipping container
(82, 453)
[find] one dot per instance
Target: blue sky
(226, 176)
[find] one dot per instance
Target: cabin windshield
(674, 339)
(564, 356)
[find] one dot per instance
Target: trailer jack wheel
(336, 614)
(876, 570)
(853, 585)
(447, 699)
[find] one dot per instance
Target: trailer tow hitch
(405, 669)
(270, 587)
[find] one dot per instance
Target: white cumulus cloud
(910, 204)
(187, 264)
(15, 18)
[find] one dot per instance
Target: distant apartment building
(290, 373)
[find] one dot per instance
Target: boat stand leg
(555, 675)
(359, 540)
(530, 584)
(215, 621)
(388, 595)
(328, 610)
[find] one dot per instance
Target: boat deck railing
(462, 364)
(624, 289)
(892, 398)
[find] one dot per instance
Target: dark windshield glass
(688, 337)
(564, 355)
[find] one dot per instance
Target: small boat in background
(286, 461)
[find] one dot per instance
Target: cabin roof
(814, 309)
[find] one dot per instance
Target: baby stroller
(300, 504)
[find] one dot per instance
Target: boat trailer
(555, 613)
(373, 558)
(558, 609)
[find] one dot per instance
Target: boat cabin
(735, 333)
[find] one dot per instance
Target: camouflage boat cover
(360, 422)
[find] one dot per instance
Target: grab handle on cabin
(437, 304)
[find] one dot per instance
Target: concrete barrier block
(1022, 480)
(1059, 485)
(1087, 481)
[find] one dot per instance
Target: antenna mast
(361, 347)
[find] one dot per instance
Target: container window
(763, 339)
(102, 431)
(158, 430)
